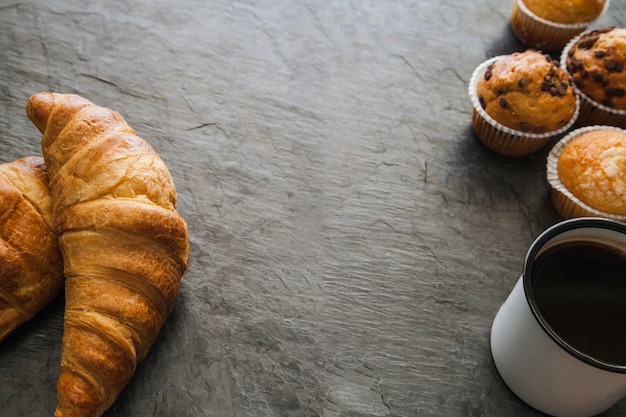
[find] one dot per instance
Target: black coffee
(580, 289)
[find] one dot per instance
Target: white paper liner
(592, 112)
(566, 203)
(540, 33)
(500, 138)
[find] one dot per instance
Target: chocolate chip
(599, 78)
(481, 99)
(554, 85)
(503, 103)
(599, 53)
(614, 92)
(522, 82)
(489, 72)
(525, 127)
(588, 41)
(613, 66)
(576, 64)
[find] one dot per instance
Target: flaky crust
(527, 91)
(596, 63)
(31, 267)
(566, 11)
(592, 167)
(124, 246)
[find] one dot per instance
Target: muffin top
(527, 91)
(592, 166)
(596, 64)
(566, 11)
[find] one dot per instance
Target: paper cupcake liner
(503, 142)
(500, 138)
(566, 203)
(539, 33)
(591, 112)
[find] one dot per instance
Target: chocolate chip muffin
(566, 11)
(520, 102)
(596, 63)
(527, 91)
(587, 173)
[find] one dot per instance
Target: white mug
(536, 362)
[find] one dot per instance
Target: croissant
(31, 267)
(125, 247)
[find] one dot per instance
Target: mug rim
(536, 246)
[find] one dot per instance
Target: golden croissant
(125, 247)
(31, 267)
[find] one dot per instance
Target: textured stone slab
(351, 239)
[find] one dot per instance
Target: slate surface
(351, 240)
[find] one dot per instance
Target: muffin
(586, 171)
(521, 101)
(595, 60)
(549, 24)
(566, 11)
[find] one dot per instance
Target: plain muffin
(566, 11)
(587, 172)
(549, 25)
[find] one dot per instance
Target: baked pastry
(124, 246)
(31, 267)
(587, 173)
(527, 91)
(566, 11)
(549, 24)
(595, 60)
(525, 94)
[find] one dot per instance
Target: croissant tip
(38, 109)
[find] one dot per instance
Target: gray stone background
(351, 239)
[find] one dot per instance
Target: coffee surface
(580, 290)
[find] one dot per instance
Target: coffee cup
(559, 339)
